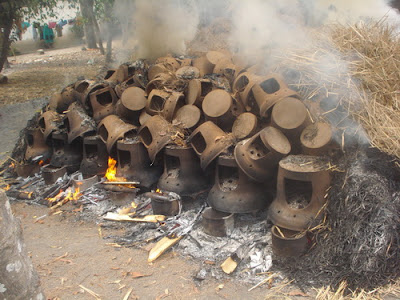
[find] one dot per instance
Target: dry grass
(378, 69)
(357, 67)
(342, 293)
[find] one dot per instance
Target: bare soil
(34, 75)
(69, 253)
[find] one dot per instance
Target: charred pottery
(217, 223)
(182, 172)
(233, 191)
(301, 188)
(95, 156)
(134, 163)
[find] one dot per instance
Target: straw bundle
(358, 69)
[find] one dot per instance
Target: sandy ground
(34, 76)
(69, 253)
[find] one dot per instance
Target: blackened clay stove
(302, 184)
(64, 154)
(208, 141)
(49, 122)
(165, 203)
(217, 223)
(36, 145)
(233, 191)
(134, 163)
(103, 103)
(259, 155)
(112, 128)
(182, 172)
(95, 156)
(50, 173)
(287, 242)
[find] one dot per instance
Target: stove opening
(199, 143)
(270, 86)
(146, 136)
(298, 193)
(228, 178)
(104, 98)
(172, 165)
(124, 158)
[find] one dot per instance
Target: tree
(12, 10)
(87, 13)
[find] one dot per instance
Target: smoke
(344, 11)
(263, 25)
(163, 27)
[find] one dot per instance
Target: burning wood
(146, 219)
(70, 194)
(112, 179)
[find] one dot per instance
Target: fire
(41, 162)
(56, 198)
(7, 187)
(112, 171)
(66, 195)
(73, 195)
(158, 191)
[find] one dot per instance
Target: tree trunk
(98, 35)
(109, 45)
(108, 10)
(86, 8)
(5, 44)
(18, 279)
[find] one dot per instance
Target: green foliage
(77, 30)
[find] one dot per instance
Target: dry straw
(357, 68)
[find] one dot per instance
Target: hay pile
(358, 69)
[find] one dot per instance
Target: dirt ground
(71, 255)
(33, 75)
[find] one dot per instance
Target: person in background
(48, 36)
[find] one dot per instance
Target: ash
(250, 240)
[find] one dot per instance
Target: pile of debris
(174, 123)
(167, 128)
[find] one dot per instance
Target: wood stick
(121, 182)
(262, 282)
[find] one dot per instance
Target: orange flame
(67, 195)
(158, 191)
(56, 197)
(73, 196)
(41, 162)
(112, 171)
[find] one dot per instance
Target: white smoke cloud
(261, 25)
(163, 27)
(344, 11)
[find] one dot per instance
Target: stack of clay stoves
(179, 124)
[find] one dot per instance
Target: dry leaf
(137, 274)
